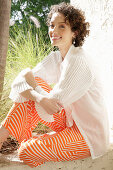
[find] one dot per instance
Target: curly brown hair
(76, 19)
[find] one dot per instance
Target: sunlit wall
(100, 14)
(100, 42)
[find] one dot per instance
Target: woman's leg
(20, 120)
(4, 133)
(23, 118)
(66, 145)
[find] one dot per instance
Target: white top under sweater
(79, 89)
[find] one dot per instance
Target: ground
(11, 144)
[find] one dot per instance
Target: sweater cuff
(23, 86)
(16, 97)
(19, 84)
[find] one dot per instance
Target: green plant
(25, 49)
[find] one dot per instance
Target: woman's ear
(75, 34)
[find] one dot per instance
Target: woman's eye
(51, 26)
(62, 26)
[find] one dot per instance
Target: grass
(25, 49)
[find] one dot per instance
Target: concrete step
(11, 162)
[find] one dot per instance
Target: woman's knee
(43, 84)
(25, 151)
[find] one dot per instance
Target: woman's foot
(4, 133)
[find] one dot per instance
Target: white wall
(100, 42)
(99, 13)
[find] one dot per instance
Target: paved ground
(11, 162)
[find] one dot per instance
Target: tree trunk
(5, 6)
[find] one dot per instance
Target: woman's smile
(55, 38)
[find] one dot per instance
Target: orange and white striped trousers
(65, 144)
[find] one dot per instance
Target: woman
(74, 108)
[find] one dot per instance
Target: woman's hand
(50, 105)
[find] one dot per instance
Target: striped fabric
(64, 144)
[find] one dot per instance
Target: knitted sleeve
(75, 80)
(46, 70)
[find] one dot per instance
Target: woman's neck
(63, 52)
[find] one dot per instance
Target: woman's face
(60, 31)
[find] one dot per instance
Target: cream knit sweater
(79, 89)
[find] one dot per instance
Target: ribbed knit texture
(76, 78)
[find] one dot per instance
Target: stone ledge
(11, 162)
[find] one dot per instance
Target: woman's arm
(50, 105)
(25, 85)
(32, 95)
(75, 80)
(29, 77)
(46, 69)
